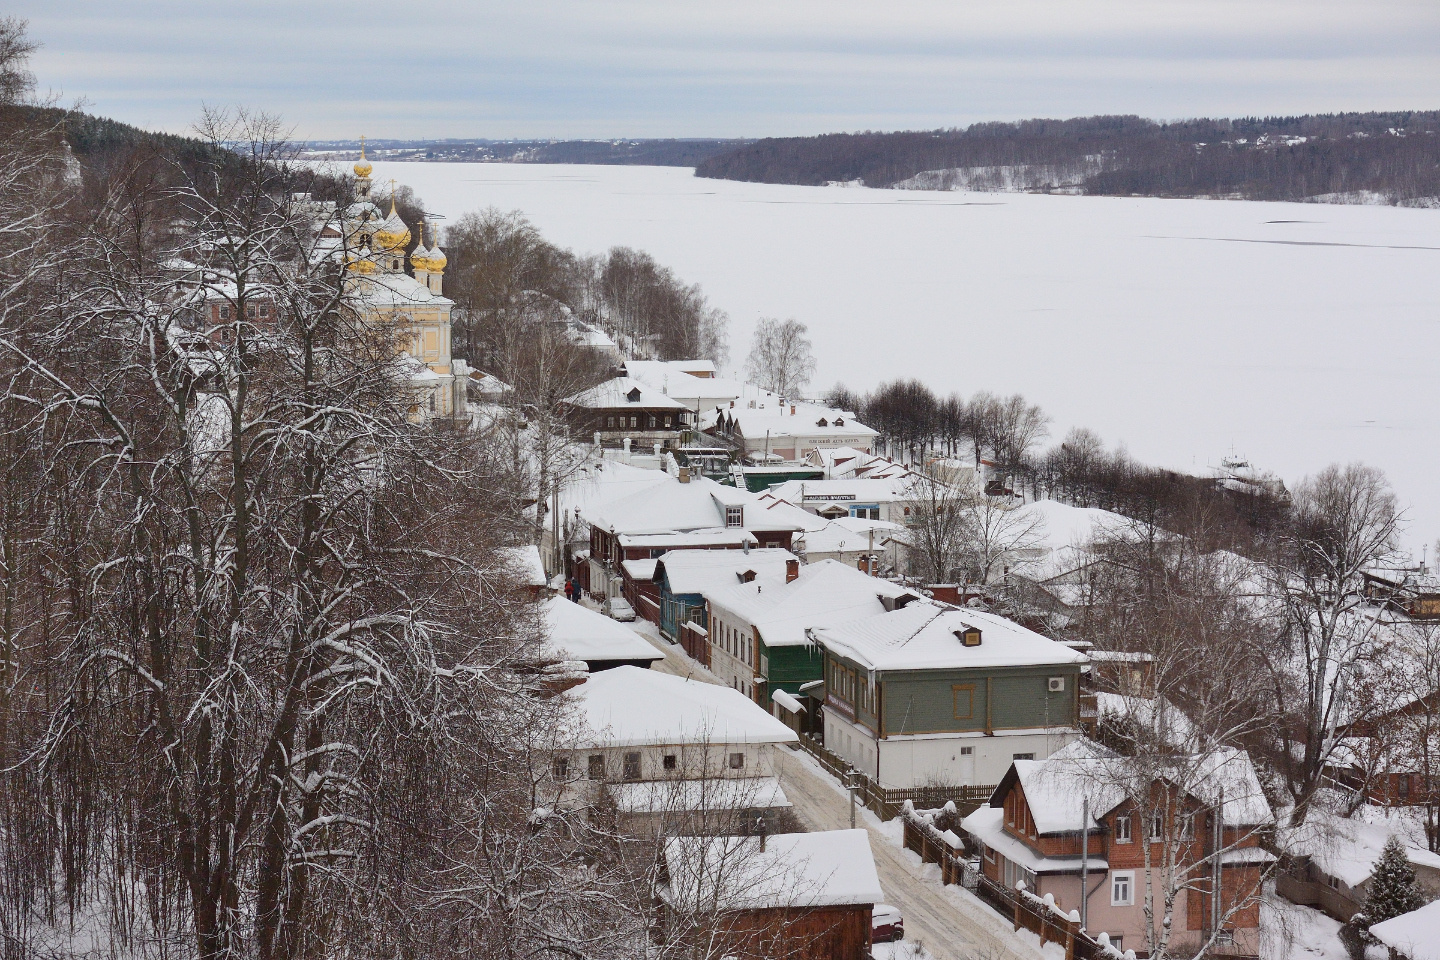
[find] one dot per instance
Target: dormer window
(634, 395)
(839, 422)
(969, 637)
(822, 422)
(748, 576)
(734, 516)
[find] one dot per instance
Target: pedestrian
(576, 591)
(569, 589)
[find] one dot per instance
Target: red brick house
(1031, 832)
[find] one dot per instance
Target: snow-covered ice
(1294, 334)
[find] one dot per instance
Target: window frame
(560, 769)
(736, 760)
(1123, 832)
(1127, 877)
(595, 767)
(968, 689)
(630, 766)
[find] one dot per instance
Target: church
(413, 304)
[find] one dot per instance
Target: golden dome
(393, 234)
(437, 258)
(420, 257)
(362, 166)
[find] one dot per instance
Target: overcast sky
(665, 68)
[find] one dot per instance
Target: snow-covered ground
(1295, 334)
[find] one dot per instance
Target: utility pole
(852, 783)
(1084, 861)
(1219, 845)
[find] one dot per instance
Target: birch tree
(781, 358)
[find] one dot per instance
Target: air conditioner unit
(1057, 684)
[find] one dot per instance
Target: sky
(742, 68)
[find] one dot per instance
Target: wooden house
(929, 693)
(1031, 832)
(797, 896)
(686, 576)
(625, 409)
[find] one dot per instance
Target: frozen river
(1294, 334)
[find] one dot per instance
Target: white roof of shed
(526, 564)
(583, 634)
(831, 868)
(1415, 934)
(712, 793)
(628, 706)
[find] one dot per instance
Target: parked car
(886, 924)
(618, 608)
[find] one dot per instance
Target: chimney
(684, 474)
(792, 409)
(792, 570)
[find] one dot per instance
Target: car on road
(618, 608)
(886, 924)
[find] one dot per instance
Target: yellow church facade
(413, 304)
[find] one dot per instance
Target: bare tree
(780, 358)
(1344, 519)
(959, 532)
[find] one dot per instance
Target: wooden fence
(887, 803)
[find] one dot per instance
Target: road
(952, 924)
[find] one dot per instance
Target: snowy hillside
(1296, 334)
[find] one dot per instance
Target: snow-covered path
(951, 926)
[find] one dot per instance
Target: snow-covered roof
(846, 534)
(1347, 848)
(711, 537)
(1158, 718)
(923, 636)
(579, 633)
(1056, 789)
(809, 420)
(396, 289)
(525, 563)
(825, 593)
(711, 793)
(794, 870)
(642, 569)
(623, 392)
(987, 824)
(697, 505)
(841, 463)
(630, 706)
(669, 377)
(1415, 934)
(600, 482)
(701, 571)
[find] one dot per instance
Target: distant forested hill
(1378, 157)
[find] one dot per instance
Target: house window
(631, 769)
(667, 421)
(1225, 937)
(224, 312)
(1404, 785)
(964, 696)
(670, 763)
(737, 761)
(967, 751)
(652, 421)
(562, 768)
(633, 422)
(597, 766)
(1122, 888)
(1122, 829)
(1023, 756)
(251, 312)
(734, 516)
(1186, 826)
(1157, 827)
(609, 423)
